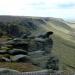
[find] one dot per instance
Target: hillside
(64, 42)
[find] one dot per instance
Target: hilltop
(64, 42)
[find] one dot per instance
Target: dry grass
(23, 67)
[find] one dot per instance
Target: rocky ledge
(35, 49)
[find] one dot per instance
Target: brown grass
(23, 67)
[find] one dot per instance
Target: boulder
(18, 43)
(45, 35)
(17, 51)
(4, 59)
(20, 58)
(3, 52)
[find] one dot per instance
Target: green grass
(64, 45)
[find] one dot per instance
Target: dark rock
(17, 51)
(40, 50)
(45, 35)
(25, 36)
(41, 44)
(1, 34)
(15, 40)
(53, 63)
(18, 43)
(20, 46)
(4, 59)
(3, 52)
(20, 58)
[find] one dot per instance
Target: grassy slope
(72, 25)
(64, 44)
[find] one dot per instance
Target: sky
(44, 8)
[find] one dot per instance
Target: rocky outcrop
(3, 52)
(44, 44)
(35, 49)
(45, 35)
(16, 58)
(17, 51)
(18, 43)
(5, 59)
(20, 58)
(52, 63)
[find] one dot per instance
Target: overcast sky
(49, 8)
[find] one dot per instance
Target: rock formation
(17, 51)
(34, 49)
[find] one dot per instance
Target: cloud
(66, 5)
(50, 8)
